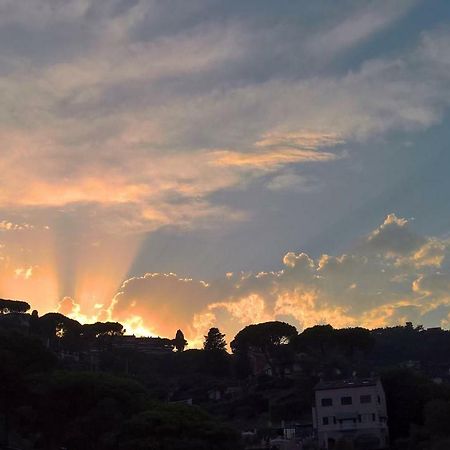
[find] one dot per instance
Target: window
(373, 418)
(346, 401)
(366, 399)
(325, 420)
(327, 402)
(334, 420)
(379, 399)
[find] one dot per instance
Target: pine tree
(214, 340)
(179, 342)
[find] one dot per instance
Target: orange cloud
(274, 150)
(364, 288)
(269, 159)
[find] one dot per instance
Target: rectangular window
(366, 399)
(325, 420)
(373, 418)
(346, 401)
(327, 402)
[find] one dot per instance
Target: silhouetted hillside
(91, 386)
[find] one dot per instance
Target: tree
(319, 338)
(217, 360)
(100, 329)
(406, 395)
(180, 342)
(266, 339)
(82, 410)
(355, 339)
(263, 336)
(56, 325)
(176, 427)
(214, 340)
(13, 306)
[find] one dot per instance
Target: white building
(353, 410)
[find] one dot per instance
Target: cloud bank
(127, 106)
(392, 275)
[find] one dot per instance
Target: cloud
(393, 237)
(161, 301)
(270, 159)
(68, 307)
(435, 284)
(24, 272)
(289, 181)
(366, 287)
(10, 226)
(299, 140)
(365, 21)
(127, 121)
(119, 118)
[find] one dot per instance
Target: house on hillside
(352, 410)
(147, 345)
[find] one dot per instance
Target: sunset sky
(187, 164)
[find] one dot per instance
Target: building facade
(352, 410)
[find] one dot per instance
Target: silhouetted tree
(319, 338)
(34, 322)
(95, 330)
(324, 339)
(180, 342)
(56, 325)
(214, 340)
(355, 340)
(10, 306)
(217, 360)
(263, 336)
(406, 395)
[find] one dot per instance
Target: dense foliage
(44, 407)
(10, 306)
(87, 386)
(214, 340)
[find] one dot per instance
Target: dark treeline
(90, 386)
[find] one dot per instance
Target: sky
(173, 164)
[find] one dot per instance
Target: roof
(341, 384)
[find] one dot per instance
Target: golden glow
(250, 309)
(135, 325)
(304, 306)
(269, 159)
(95, 270)
(43, 266)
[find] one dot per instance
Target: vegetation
(180, 342)
(214, 341)
(12, 306)
(87, 386)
